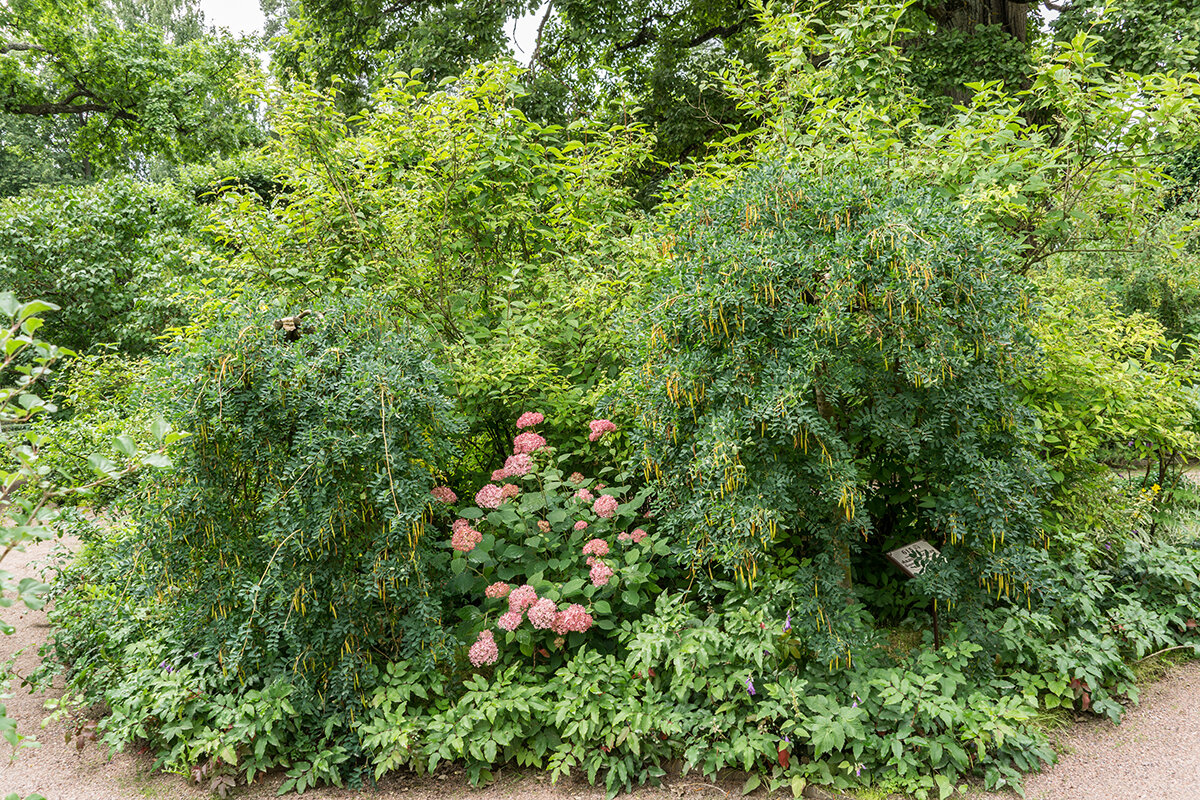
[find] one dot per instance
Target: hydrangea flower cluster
(444, 494)
(484, 651)
(517, 465)
(596, 547)
(600, 427)
(523, 603)
(601, 573)
(529, 419)
(464, 538)
(605, 506)
(490, 496)
(528, 442)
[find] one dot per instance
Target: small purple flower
(787, 623)
(750, 685)
(857, 770)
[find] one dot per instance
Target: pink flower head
(529, 419)
(509, 491)
(596, 547)
(544, 526)
(528, 442)
(510, 620)
(499, 474)
(542, 614)
(522, 598)
(585, 495)
(580, 525)
(517, 465)
(600, 573)
(605, 506)
(465, 537)
(444, 494)
(490, 496)
(637, 535)
(497, 590)
(575, 618)
(484, 651)
(599, 428)
(623, 537)
(576, 477)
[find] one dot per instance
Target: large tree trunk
(964, 15)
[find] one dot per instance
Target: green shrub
(290, 543)
(833, 369)
(109, 253)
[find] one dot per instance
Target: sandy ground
(1153, 755)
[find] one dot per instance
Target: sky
(245, 16)
(239, 16)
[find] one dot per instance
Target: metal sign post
(912, 559)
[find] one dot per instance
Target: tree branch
(8, 47)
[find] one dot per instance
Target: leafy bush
(290, 543)
(1112, 388)
(515, 242)
(109, 253)
(833, 369)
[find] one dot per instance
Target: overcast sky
(245, 16)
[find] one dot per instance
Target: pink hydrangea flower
(509, 491)
(529, 419)
(444, 493)
(465, 541)
(544, 526)
(585, 495)
(499, 474)
(497, 590)
(576, 477)
(484, 651)
(580, 525)
(601, 573)
(464, 538)
(596, 547)
(637, 535)
(490, 496)
(600, 427)
(623, 537)
(575, 618)
(528, 442)
(510, 620)
(605, 506)
(522, 598)
(517, 465)
(542, 614)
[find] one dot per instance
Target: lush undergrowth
(463, 459)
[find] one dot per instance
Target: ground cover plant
(470, 460)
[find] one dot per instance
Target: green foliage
(132, 90)
(832, 368)
(514, 241)
(111, 254)
(545, 536)
(1136, 35)
(1071, 163)
(1112, 388)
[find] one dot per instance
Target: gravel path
(1153, 755)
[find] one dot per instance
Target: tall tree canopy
(123, 81)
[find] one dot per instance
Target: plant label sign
(913, 557)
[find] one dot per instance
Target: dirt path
(1153, 755)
